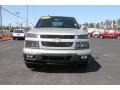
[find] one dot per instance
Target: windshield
(18, 31)
(57, 22)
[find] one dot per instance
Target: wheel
(89, 36)
(30, 65)
(14, 38)
(95, 36)
(101, 37)
(118, 37)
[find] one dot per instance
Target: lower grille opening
(60, 44)
(57, 58)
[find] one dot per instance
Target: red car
(110, 34)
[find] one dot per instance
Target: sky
(82, 13)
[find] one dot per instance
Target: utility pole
(9, 26)
(27, 18)
(0, 17)
(17, 17)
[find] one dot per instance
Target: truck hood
(57, 31)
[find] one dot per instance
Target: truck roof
(57, 16)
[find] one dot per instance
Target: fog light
(84, 57)
(30, 56)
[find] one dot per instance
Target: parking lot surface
(104, 67)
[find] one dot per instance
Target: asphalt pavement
(104, 68)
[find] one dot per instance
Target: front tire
(95, 36)
(101, 37)
(89, 36)
(30, 65)
(14, 38)
(118, 37)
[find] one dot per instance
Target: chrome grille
(58, 36)
(60, 44)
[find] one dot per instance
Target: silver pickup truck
(56, 39)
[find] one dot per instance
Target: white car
(18, 34)
(90, 31)
(56, 39)
(97, 33)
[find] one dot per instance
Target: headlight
(32, 44)
(30, 35)
(83, 36)
(82, 45)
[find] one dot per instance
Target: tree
(98, 25)
(118, 24)
(102, 25)
(91, 25)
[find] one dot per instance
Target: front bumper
(55, 56)
(19, 36)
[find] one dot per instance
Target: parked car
(97, 32)
(110, 34)
(118, 34)
(90, 31)
(18, 34)
(56, 39)
(1, 34)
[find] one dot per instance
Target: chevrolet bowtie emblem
(57, 40)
